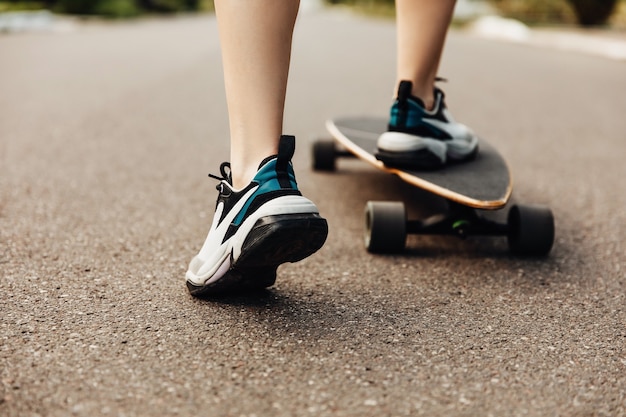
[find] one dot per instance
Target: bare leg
(422, 28)
(255, 36)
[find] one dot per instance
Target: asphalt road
(106, 137)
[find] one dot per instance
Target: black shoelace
(225, 175)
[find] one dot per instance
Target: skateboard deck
(483, 183)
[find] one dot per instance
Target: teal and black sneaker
(424, 139)
(256, 229)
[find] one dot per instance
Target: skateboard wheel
(324, 155)
(385, 226)
(531, 230)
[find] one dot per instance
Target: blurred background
(18, 15)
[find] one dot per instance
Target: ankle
(427, 96)
(242, 175)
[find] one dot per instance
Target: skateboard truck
(528, 229)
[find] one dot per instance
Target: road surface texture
(107, 136)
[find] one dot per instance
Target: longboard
(484, 183)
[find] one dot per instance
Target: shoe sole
(422, 160)
(418, 160)
(407, 151)
(274, 240)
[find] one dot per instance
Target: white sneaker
(421, 139)
(256, 229)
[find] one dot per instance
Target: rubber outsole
(422, 160)
(273, 240)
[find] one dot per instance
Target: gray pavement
(106, 136)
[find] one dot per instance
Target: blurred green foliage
(583, 12)
(117, 8)
(361, 2)
(384, 8)
(537, 11)
(109, 8)
(7, 6)
(593, 12)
